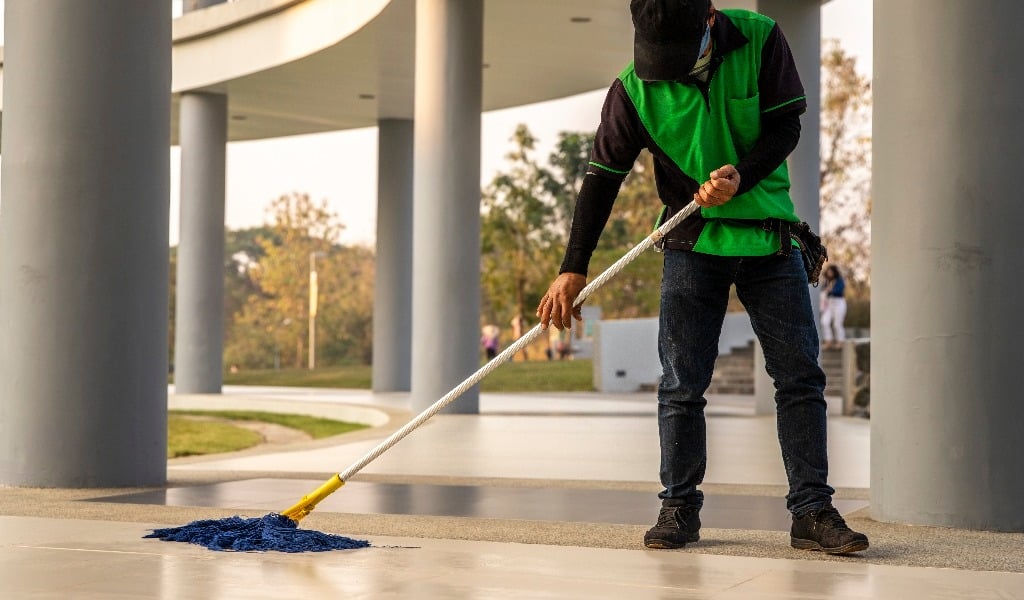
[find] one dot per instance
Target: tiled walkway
(537, 497)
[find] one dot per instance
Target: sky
(259, 171)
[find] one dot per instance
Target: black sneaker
(824, 530)
(676, 526)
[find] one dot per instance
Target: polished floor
(722, 511)
(98, 560)
(513, 503)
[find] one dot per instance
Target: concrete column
(392, 303)
(946, 410)
(83, 243)
(446, 198)
(199, 306)
(800, 21)
(199, 300)
(764, 386)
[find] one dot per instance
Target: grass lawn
(541, 376)
(189, 437)
(526, 376)
(349, 376)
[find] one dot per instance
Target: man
(714, 92)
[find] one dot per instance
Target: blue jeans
(694, 297)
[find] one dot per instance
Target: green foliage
(569, 162)
(525, 225)
(345, 316)
(521, 233)
(273, 267)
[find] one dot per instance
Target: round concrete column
(199, 305)
(83, 243)
(800, 21)
(392, 304)
(446, 229)
(946, 410)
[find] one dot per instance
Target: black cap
(667, 36)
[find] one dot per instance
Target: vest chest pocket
(744, 118)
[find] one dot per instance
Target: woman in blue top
(833, 308)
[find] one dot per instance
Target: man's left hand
(723, 185)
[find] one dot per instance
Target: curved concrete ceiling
(341, 64)
(293, 67)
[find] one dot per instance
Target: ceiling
(292, 67)
(534, 50)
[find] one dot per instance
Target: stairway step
(734, 372)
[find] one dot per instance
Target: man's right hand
(556, 305)
(723, 185)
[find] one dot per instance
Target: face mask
(705, 41)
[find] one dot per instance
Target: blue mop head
(271, 532)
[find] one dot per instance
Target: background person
(833, 307)
(489, 339)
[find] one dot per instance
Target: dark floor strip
(720, 511)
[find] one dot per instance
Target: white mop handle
(516, 346)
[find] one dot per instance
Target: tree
(273, 324)
(520, 233)
(527, 213)
(845, 174)
(345, 315)
(569, 162)
(241, 252)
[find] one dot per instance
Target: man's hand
(556, 305)
(718, 190)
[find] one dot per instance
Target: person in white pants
(833, 308)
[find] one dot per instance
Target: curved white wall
(228, 41)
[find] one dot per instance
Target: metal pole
(313, 296)
(312, 310)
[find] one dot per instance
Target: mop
(280, 532)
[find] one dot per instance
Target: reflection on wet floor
(720, 511)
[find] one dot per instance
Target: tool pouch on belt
(811, 248)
